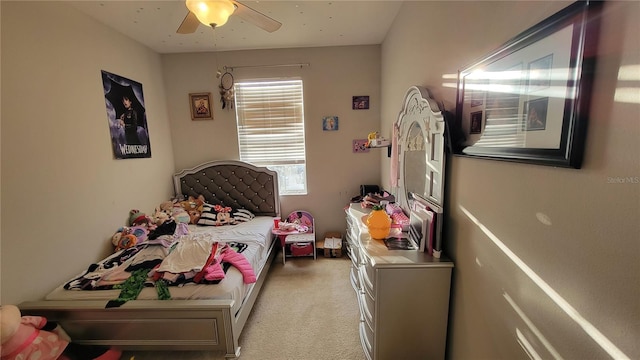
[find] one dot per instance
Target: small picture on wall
(360, 103)
(200, 106)
(330, 123)
(536, 114)
(539, 77)
(360, 146)
(476, 122)
(477, 98)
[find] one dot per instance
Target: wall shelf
(385, 146)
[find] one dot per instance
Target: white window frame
(271, 132)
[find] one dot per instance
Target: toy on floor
(33, 337)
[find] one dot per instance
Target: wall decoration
(360, 146)
(226, 90)
(536, 114)
(200, 104)
(127, 117)
(476, 122)
(533, 92)
(330, 123)
(360, 103)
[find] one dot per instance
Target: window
(270, 117)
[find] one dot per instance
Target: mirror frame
(418, 106)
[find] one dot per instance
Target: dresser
(403, 295)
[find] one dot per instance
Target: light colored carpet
(307, 310)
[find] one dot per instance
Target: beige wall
(63, 193)
(333, 76)
(512, 272)
(62, 190)
(61, 185)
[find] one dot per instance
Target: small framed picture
(330, 123)
(360, 145)
(536, 114)
(476, 122)
(360, 103)
(200, 104)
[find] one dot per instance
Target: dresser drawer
(367, 309)
(367, 279)
(354, 254)
(365, 282)
(355, 279)
(366, 339)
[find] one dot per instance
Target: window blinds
(270, 122)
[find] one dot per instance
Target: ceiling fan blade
(256, 18)
(189, 24)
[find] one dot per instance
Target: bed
(197, 317)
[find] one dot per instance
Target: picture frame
(360, 103)
(528, 101)
(200, 105)
(475, 122)
(330, 123)
(360, 146)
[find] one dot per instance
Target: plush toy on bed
(193, 206)
(138, 218)
(33, 337)
(166, 206)
(175, 210)
(180, 215)
(160, 217)
(127, 237)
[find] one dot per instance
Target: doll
(33, 337)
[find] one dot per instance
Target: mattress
(256, 234)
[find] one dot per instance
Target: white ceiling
(305, 23)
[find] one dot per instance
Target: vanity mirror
(420, 130)
(420, 145)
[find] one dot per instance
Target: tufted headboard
(231, 183)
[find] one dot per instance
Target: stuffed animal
(159, 217)
(136, 217)
(33, 337)
(180, 215)
(122, 242)
(166, 206)
(194, 216)
(372, 136)
(175, 211)
(127, 237)
(193, 206)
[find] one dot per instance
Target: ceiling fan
(215, 13)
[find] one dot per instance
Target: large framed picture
(529, 100)
(200, 104)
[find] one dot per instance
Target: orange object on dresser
(379, 223)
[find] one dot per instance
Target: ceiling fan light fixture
(212, 13)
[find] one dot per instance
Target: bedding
(252, 239)
(136, 289)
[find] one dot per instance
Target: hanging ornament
(226, 90)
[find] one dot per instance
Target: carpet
(307, 310)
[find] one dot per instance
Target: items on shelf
(375, 140)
